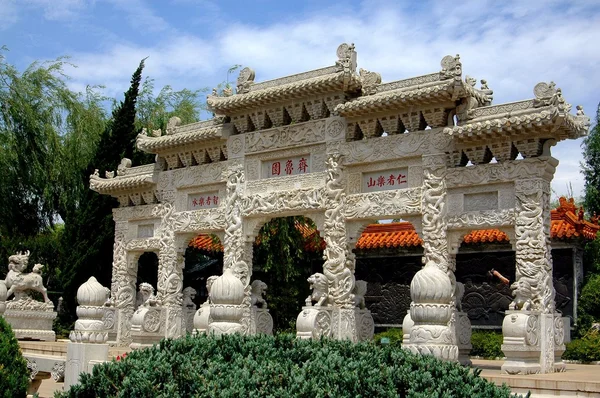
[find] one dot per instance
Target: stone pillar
(533, 331)
(459, 322)
(88, 341)
(335, 314)
(170, 273)
(123, 294)
(230, 293)
(577, 278)
(431, 289)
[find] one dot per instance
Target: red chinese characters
(204, 201)
(386, 180)
(292, 166)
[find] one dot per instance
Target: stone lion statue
(359, 291)
(145, 296)
(523, 295)
(18, 282)
(319, 285)
(258, 290)
(189, 293)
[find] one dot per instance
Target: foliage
(89, 228)
(486, 344)
(588, 308)
(586, 349)
(281, 252)
(591, 167)
(393, 334)
(14, 377)
(154, 112)
(47, 132)
(282, 366)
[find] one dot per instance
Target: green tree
(89, 229)
(47, 132)
(288, 251)
(591, 167)
(153, 113)
(14, 376)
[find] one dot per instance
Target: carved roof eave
(429, 94)
(208, 135)
(519, 119)
(122, 184)
(332, 83)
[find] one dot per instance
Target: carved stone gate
(345, 149)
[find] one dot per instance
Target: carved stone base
(201, 319)
(81, 357)
(34, 325)
(521, 345)
(188, 319)
(226, 319)
(435, 340)
(336, 323)
(147, 327)
(462, 331)
(260, 322)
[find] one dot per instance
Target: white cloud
(59, 10)
(513, 45)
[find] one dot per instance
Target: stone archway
(314, 144)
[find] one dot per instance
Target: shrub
(282, 366)
(14, 376)
(588, 306)
(486, 344)
(586, 349)
(393, 334)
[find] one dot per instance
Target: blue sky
(191, 44)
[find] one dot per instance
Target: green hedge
(393, 334)
(486, 344)
(586, 349)
(14, 377)
(282, 366)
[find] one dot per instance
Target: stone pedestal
(338, 323)
(407, 325)
(147, 327)
(462, 333)
(261, 321)
(81, 357)
(431, 334)
(30, 319)
(201, 319)
(188, 319)
(3, 292)
(521, 345)
(226, 309)
(110, 320)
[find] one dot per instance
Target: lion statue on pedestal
(18, 283)
(258, 290)
(320, 290)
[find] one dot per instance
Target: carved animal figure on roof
(123, 166)
(258, 290)
(18, 282)
(319, 285)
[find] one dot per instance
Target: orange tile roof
(567, 223)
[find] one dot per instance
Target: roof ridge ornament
(245, 80)
(346, 58)
(370, 81)
(451, 67)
